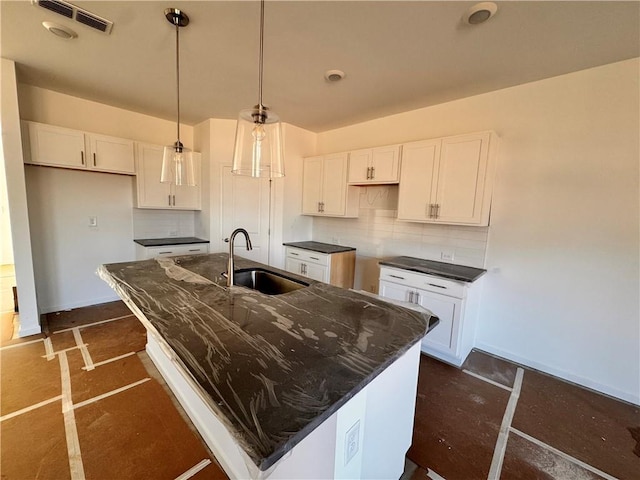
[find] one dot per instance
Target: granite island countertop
(320, 247)
(273, 368)
(431, 267)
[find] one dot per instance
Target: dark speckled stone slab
(320, 247)
(162, 242)
(273, 368)
(441, 269)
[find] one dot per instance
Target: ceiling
(397, 56)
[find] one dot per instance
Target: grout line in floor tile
(86, 356)
(71, 431)
(22, 344)
(488, 380)
(93, 324)
(195, 469)
(110, 360)
(503, 435)
(560, 453)
(29, 409)
(109, 394)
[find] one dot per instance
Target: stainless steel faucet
(230, 265)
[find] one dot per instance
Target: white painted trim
(488, 380)
(503, 436)
(631, 397)
(27, 332)
(28, 409)
(195, 469)
(560, 453)
(83, 303)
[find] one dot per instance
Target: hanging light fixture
(177, 160)
(258, 145)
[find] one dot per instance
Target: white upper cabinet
(448, 180)
(375, 165)
(324, 187)
(151, 193)
(63, 147)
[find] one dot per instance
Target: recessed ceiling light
(480, 13)
(60, 30)
(333, 75)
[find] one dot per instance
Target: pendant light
(177, 160)
(258, 145)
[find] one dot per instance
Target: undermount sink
(269, 283)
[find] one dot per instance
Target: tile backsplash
(376, 234)
(163, 223)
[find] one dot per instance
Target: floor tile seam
(562, 454)
(94, 323)
(488, 380)
(30, 408)
(195, 469)
(503, 435)
(110, 393)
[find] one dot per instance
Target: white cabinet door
(394, 291)
(189, 197)
(111, 154)
(55, 146)
(293, 265)
(418, 178)
(334, 190)
(385, 164)
(444, 336)
(312, 185)
(359, 166)
(461, 178)
(151, 193)
(316, 272)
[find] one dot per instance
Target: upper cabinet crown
(63, 147)
(448, 180)
(374, 165)
(151, 193)
(324, 187)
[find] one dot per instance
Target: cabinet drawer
(174, 250)
(308, 256)
(423, 281)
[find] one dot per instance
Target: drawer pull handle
(194, 249)
(314, 258)
(439, 286)
(162, 253)
(397, 276)
(293, 253)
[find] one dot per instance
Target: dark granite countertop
(273, 368)
(319, 247)
(162, 242)
(431, 267)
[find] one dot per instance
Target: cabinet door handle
(368, 173)
(437, 210)
(94, 159)
(169, 197)
(82, 157)
(410, 297)
(373, 173)
(417, 298)
(396, 276)
(174, 200)
(319, 207)
(322, 207)
(438, 286)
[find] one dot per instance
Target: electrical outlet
(93, 221)
(352, 442)
(447, 256)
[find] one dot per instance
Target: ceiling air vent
(78, 14)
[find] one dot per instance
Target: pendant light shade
(177, 161)
(258, 146)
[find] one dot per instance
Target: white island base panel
(368, 437)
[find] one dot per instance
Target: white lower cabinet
(145, 253)
(454, 303)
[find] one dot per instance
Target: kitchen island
(319, 382)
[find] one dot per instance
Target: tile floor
(84, 401)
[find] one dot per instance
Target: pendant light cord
(261, 52)
(177, 22)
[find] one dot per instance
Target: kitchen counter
(162, 242)
(327, 248)
(272, 368)
(440, 269)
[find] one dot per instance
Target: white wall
(12, 163)
(562, 292)
(66, 251)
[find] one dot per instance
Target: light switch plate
(93, 221)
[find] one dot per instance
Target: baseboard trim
(628, 397)
(83, 303)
